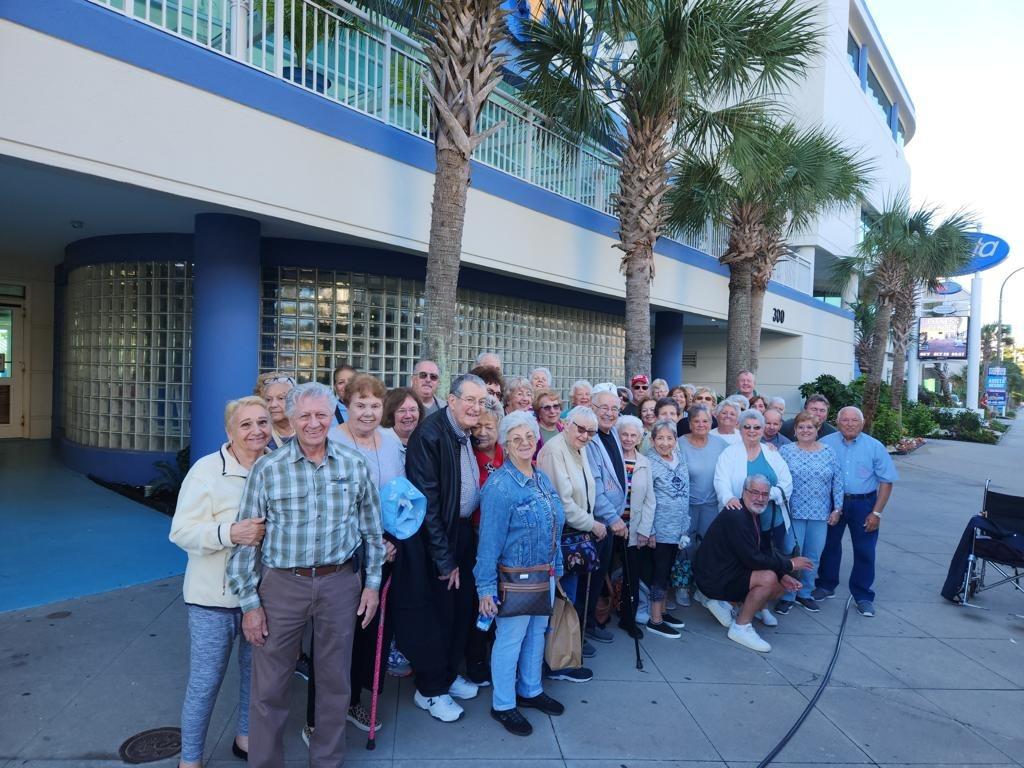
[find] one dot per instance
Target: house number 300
(778, 315)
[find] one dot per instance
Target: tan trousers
(289, 602)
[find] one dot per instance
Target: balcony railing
(337, 51)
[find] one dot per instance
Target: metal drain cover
(150, 746)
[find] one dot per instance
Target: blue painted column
(225, 321)
(668, 347)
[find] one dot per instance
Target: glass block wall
(314, 319)
(126, 355)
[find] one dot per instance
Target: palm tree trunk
(756, 311)
(643, 180)
(448, 215)
(879, 347)
(902, 326)
(737, 355)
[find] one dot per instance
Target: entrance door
(12, 371)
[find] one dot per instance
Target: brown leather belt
(317, 570)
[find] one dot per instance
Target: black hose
(817, 694)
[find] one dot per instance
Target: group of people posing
(725, 503)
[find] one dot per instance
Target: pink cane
(371, 740)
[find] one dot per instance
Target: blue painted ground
(63, 536)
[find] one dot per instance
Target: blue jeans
(516, 659)
(810, 536)
(862, 575)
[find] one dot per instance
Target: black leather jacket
(432, 464)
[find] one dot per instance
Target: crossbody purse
(527, 591)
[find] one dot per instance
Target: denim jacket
(515, 525)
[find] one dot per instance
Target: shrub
(957, 419)
(918, 420)
(1011, 414)
(838, 394)
(998, 426)
(886, 428)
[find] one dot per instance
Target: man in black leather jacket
(434, 596)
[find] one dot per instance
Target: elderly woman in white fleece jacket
(204, 526)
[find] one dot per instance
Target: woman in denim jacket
(520, 526)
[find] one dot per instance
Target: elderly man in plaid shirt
(320, 507)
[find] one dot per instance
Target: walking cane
(627, 588)
(371, 742)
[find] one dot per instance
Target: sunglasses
(551, 407)
(427, 375)
(752, 427)
(584, 430)
(279, 380)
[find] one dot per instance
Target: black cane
(627, 589)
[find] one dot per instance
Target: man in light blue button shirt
(868, 475)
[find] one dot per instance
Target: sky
(963, 64)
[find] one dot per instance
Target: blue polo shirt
(864, 460)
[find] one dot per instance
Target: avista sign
(989, 250)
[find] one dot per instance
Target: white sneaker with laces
(747, 636)
(461, 688)
(721, 610)
(767, 618)
(441, 707)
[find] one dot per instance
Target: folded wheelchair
(993, 539)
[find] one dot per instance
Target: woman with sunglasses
(547, 407)
(701, 396)
(751, 457)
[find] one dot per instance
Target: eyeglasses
(759, 494)
(551, 407)
(527, 439)
(427, 375)
(279, 380)
(407, 411)
(640, 386)
(753, 427)
(584, 430)
(473, 402)
(608, 408)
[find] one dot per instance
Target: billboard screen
(943, 338)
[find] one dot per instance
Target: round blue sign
(948, 288)
(989, 250)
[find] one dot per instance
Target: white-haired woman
(639, 509)
(659, 389)
(274, 389)
(751, 457)
(520, 528)
(727, 415)
(565, 463)
(540, 378)
(666, 533)
(204, 526)
(518, 395)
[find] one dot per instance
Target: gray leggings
(212, 632)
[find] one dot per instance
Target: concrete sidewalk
(924, 682)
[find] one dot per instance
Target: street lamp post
(999, 324)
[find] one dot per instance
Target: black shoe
(238, 752)
(513, 721)
(783, 607)
(809, 604)
(543, 702)
(632, 630)
(574, 675)
(479, 673)
(589, 651)
(672, 621)
(663, 629)
(302, 667)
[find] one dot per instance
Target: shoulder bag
(527, 591)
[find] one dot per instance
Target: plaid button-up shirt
(315, 515)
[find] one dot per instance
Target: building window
(313, 320)
(876, 92)
(853, 53)
(126, 356)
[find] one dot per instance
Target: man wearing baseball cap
(639, 388)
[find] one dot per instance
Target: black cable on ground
(817, 694)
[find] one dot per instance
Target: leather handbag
(563, 647)
(527, 591)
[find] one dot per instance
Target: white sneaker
(441, 707)
(747, 636)
(699, 597)
(721, 610)
(461, 688)
(767, 618)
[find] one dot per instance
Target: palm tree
(899, 249)
(653, 78)
(762, 187)
(460, 41)
(903, 322)
(863, 333)
(990, 340)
